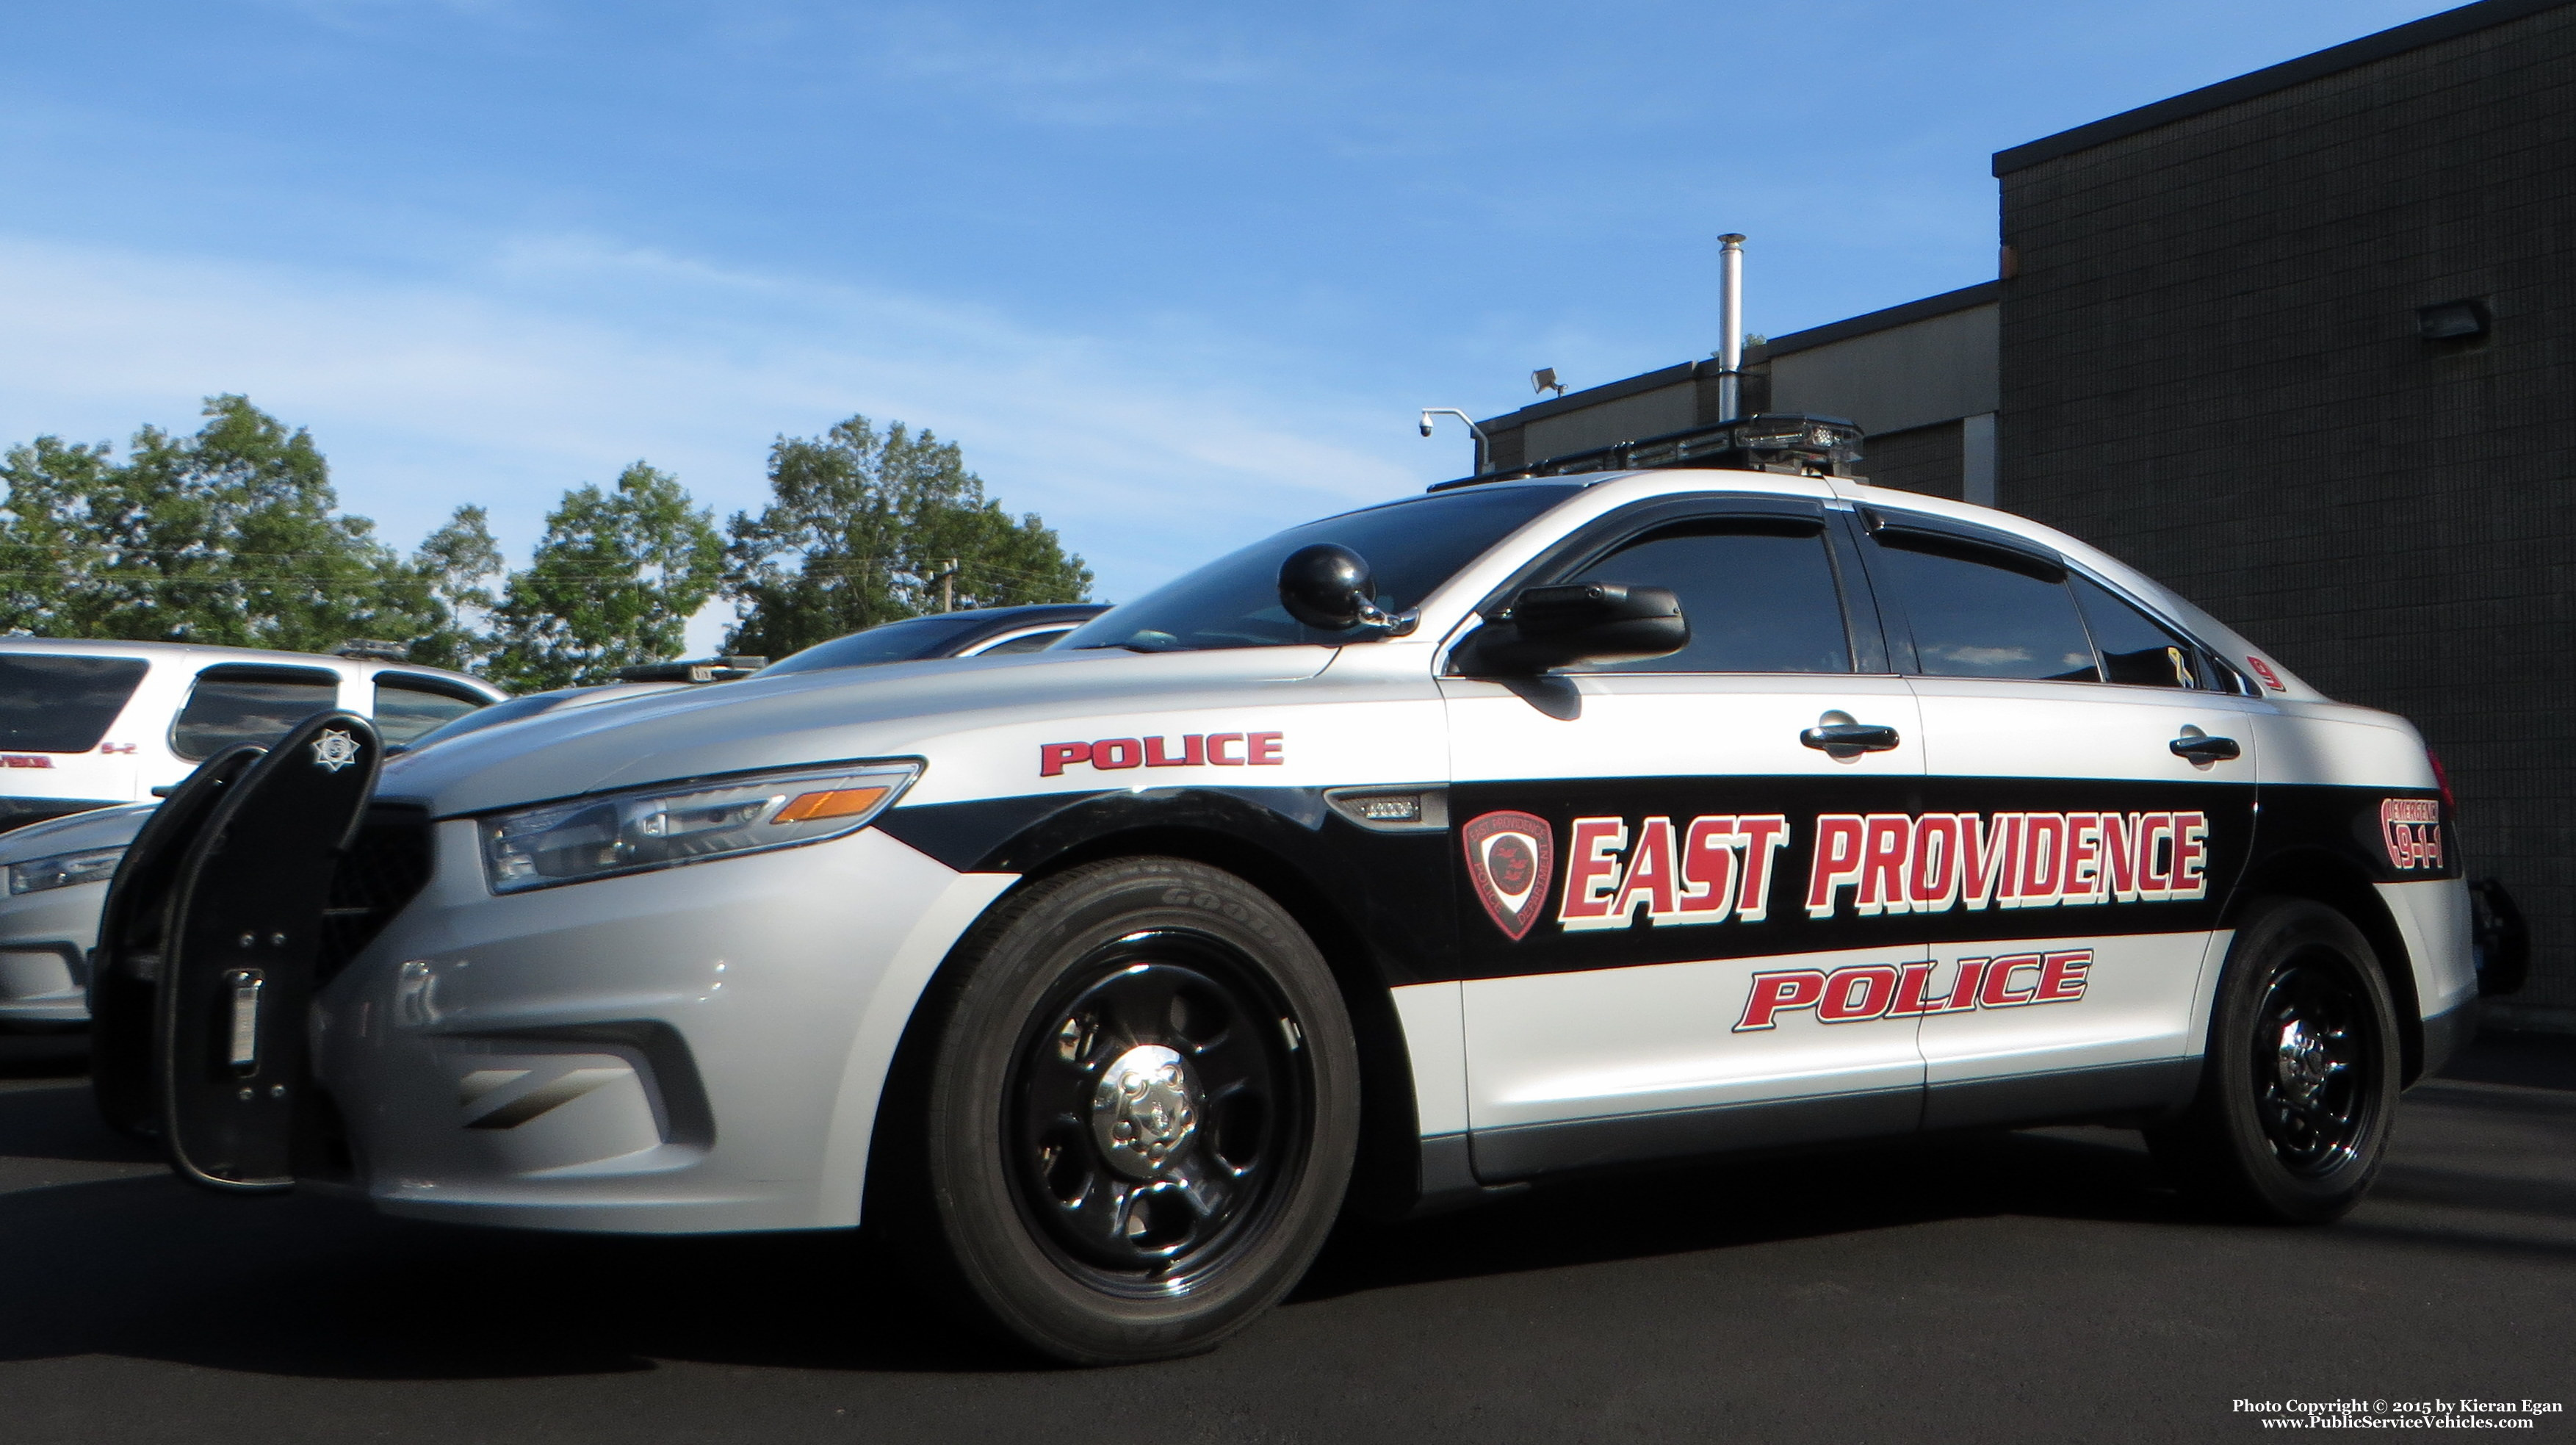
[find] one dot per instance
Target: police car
(1527, 827)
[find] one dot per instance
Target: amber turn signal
(837, 803)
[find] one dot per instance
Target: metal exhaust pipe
(1730, 321)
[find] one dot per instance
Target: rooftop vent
(364, 649)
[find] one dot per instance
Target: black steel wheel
(1127, 1114)
(2310, 1068)
(2300, 1082)
(1156, 1106)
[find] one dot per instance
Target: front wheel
(2299, 1086)
(1137, 1116)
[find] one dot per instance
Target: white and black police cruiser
(1531, 826)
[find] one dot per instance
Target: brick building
(2303, 345)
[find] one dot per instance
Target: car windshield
(905, 641)
(1411, 547)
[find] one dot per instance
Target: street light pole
(1473, 430)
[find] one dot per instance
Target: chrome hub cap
(1145, 1108)
(1158, 1108)
(2305, 1065)
(2313, 1076)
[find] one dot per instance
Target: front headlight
(64, 870)
(663, 827)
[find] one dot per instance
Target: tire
(1132, 1114)
(2299, 1086)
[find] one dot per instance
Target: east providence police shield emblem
(334, 750)
(1509, 858)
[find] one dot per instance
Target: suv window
(1986, 612)
(1758, 593)
(407, 707)
(249, 703)
(2137, 649)
(55, 704)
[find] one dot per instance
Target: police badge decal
(1510, 857)
(334, 750)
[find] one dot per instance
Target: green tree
(459, 562)
(861, 528)
(614, 582)
(232, 536)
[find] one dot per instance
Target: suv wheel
(1136, 1117)
(2299, 1086)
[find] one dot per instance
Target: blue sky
(1173, 275)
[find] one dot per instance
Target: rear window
(408, 707)
(54, 704)
(1979, 612)
(235, 703)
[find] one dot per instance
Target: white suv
(88, 726)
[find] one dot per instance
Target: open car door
(244, 920)
(125, 969)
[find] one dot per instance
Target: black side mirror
(1549, 627)
(1328, 586)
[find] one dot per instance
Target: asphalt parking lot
(2030, 1286)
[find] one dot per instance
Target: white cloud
(556, 360)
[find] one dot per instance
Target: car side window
(1758, 593)
(2137, 649)
(406, 709)
(248, 703)
(1985, 612)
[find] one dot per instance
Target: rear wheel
(2299, 1087)
(1137, 1117)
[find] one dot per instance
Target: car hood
(901, 709)
(78, 833)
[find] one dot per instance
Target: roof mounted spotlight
(1544, 379)
(2454, 321)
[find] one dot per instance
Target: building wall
(1937, 369)
(1908, 375)
(1624, 419)
(2211, 365)
(1926, 459)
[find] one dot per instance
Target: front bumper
(696, 1049)
(45, 943)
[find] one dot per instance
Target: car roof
(196, 655)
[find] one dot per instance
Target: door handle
(1850, 737)
(2196, 746)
